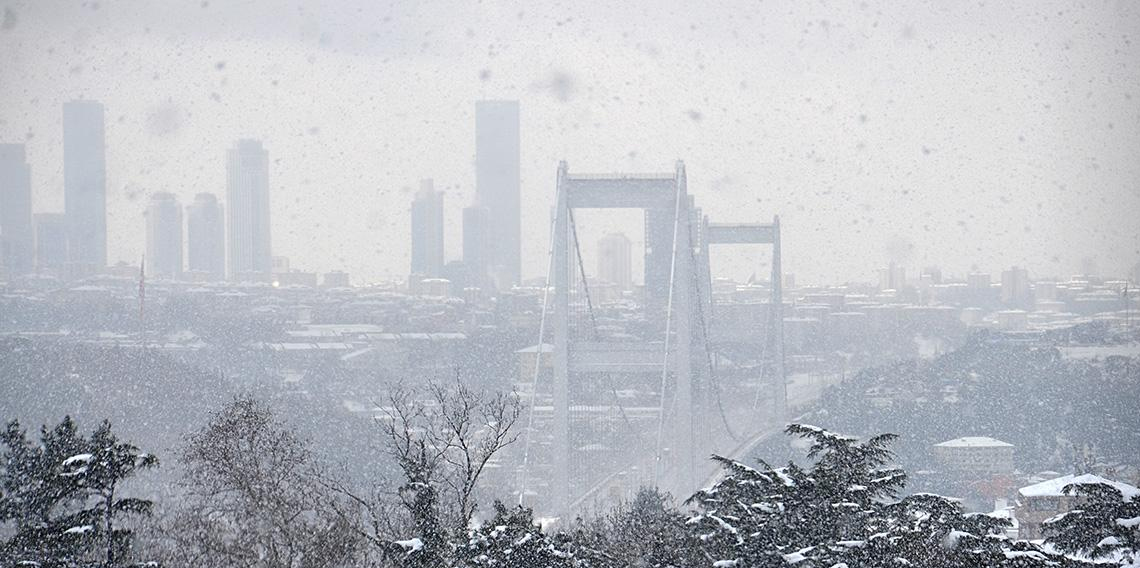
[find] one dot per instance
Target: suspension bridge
(647, 408)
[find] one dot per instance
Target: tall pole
(142, 301)
(561, 387)
(776, 328)
(682, 363)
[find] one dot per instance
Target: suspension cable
(594, 328)
(538, 354)
(668, 330)
(708, 351)
(582, 271)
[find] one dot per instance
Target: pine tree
(1106, 525)
(513, 539)
(839, 512)
(61, 495)
(37, 499)
(112, 462)
(645, 532)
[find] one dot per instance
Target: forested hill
(1030, 396)
(150, 398)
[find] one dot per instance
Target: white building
(615, 264)
(975, 458)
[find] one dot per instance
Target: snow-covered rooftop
(1055, 487)
(974, 442)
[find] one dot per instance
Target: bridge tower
(674, 347)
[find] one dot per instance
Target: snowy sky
(965, 134)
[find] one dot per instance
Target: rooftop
(974, 442)
(1055, 487)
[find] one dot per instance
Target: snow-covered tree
(64, 498)
(442, 442)
(1105, 526)
(645, 532)
(840, 512)
(512, 539)
(102, 473)
(254, 497)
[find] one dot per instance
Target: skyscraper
(85, 185)
(16, 237)
(247, 197)
(1015, 290)
(206, 237)
(497, 185)
(427, 231)
(614, 261)
(51, 242)
(164, 236)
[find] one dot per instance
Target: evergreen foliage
(64, 497)
(512, 539)
(1106, 525)
(839, 512)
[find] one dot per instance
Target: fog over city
(963, 134)
(732, 284)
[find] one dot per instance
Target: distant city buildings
(85, 185)
(247, 198)
(1015, 291)
(16, 234)
(51, 242)
(497, 189)
(427, 231)
(893, 277)
(615, 265)
(206, 238)
(335, 279)
(164, 236)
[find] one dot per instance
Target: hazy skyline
(942, 133)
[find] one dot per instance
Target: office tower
(497, 185)
(206, 237)
(164, 236)
(247, 198)
(51, 242)
(85, 185)
(934, 273)
(614, 261)
(893, 277)
(978, 280)
(1015, 291)
(427, 231)
(16, 236)
(476, 237)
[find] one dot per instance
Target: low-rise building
(1042, 501)
(975, 458)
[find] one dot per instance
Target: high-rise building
(427, 231)
(497, 185)
(51, 242)
(247, 197)
(206, 237)
(164, 236)
(16, 236)
(893, 277)
(476, 244)
(1015, 291)
(615, 261)
(85, 185)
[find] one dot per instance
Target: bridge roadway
(803, 389)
